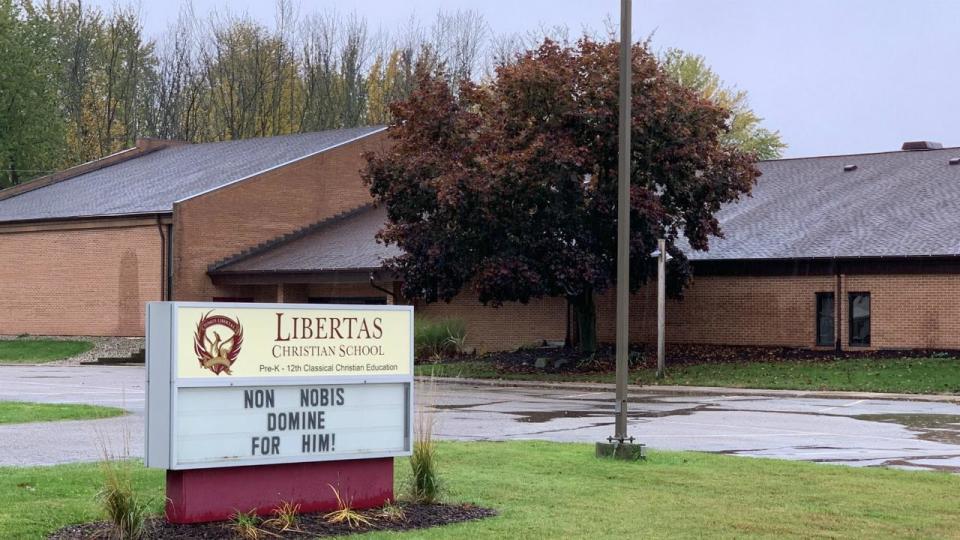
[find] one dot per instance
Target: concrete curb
(692, 390)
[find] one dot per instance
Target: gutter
(158, 213)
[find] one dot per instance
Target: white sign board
(233, 384)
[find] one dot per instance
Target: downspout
(838, 305)
(170, 261)
(164, 286)
(166, 259)
(381, 289)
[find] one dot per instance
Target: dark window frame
(850, 298)
(238, 299)
(352, 300)
(820, 296)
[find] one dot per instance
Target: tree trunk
(585, 313)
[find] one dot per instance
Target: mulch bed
(566, 360)
(418, 516)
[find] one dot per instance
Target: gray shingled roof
(343, 243)
(153, 182)
(893, 204)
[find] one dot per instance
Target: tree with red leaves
(509, 187)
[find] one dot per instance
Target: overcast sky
(833, 76)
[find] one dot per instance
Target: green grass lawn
(906, 375)
(35, 351)
(552, 490)
(18, 412)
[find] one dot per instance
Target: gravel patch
(103, 347)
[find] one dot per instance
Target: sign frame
(164, 383)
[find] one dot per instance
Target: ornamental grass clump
(124, 509)
(392, 511)
(436, 338)
(345, 513)
(425, 484)
(245, 525)
(285, 517)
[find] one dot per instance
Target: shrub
(435, 338)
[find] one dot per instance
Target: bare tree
(179, 93)
(459, 39)
(319, 35)
(354, 51)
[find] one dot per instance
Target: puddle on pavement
(458, 407)
(943, 428)
(537, 417)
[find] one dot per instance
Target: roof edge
(142, 147)
(376, 131)
(858, 154)
(217, 267)
(90, 217)
(300, 272)
(842, 258)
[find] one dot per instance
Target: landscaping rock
(103, 347)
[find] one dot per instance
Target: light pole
(662, 258)
(620, 445)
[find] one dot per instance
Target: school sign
(281, 398)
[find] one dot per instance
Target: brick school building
(855, 251)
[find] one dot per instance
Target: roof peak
(121, 185)
(142, 147)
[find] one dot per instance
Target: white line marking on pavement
(841, 406)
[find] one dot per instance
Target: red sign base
(199, 495)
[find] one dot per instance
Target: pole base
(622, 450)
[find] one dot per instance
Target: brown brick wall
(509, 326)
(210, 227)
(915, 311)
(907, 311)
(88, 281)
(725, 310)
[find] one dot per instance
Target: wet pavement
(859, 432)
(48, 443)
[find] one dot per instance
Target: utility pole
(620, 445)
(623, 220)
(661, 304)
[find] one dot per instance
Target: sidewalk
(637, 390)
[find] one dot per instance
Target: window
(347, 300)
(860, 319)
(825, 319)
(233, 299)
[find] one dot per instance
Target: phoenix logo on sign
(219, 352)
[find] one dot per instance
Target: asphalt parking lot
(859, 432)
